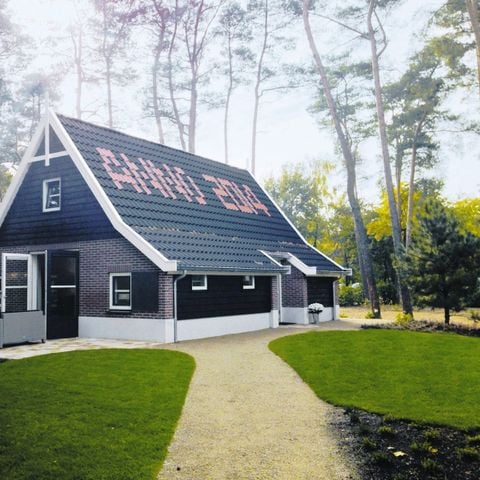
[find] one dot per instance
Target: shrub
(350, 295)
(430, 465)
(474, 440)
(403, 319)
(424, 447)
(386, 431)
(381, 458)
(431, 434)
(368, 444)
(475, 316)
(468, 453)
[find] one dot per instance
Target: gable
(204, 214)
(80, 216)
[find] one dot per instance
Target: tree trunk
(108, 77)
(171, 87)
(447, 315)
(411, 193)
(79, 71)
(361, 238)
(227, 100)
(156, 103)
(192, 121)
(396, 230)
(258, 82)
(472, 9)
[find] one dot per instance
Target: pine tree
(443, 262)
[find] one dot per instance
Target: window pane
(121, 299)
(121, 292)
(16, 300)
(52, 194)
(63, 270)
(17, 273)
(198, 280)
(121, 283)
(248, 280)
(53, 188)
(53, 202)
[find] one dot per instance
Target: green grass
(432, 378)
(98, 414)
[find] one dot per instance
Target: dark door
(62, 294)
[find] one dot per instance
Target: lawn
(97, 414)
(433, 378)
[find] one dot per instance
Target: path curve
(250, 416)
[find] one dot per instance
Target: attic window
(52, 195)
(248, 282)
(199, 282)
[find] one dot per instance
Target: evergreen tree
(443, 262)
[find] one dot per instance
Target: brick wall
(294, 289)
(99, 258)
(275, 293)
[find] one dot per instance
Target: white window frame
(111, 306)
(248, 286)
(45, 193)
(200, 287)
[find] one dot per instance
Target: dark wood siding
(320, 290)
(80, 217)
(224, 296)
(55, 144)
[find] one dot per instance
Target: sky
(288, 133)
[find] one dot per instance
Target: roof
(205, 215)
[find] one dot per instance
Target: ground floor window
(120, 291)
(199, 282)
(248, 282)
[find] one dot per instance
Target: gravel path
(249, 416)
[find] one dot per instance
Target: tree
(443, 263)
(113, 29)
(365, 261)
(415, 103)
(376, 53)
(158, 17)
(235, 33)
(268, 26)
(458, 21)
(197, 22)
(303, 195)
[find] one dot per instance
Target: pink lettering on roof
(172, 182)
(220, 192)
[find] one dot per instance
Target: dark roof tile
(170, 198)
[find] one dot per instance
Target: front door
(62, 294)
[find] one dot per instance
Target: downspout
(175, 319)
(280, 300)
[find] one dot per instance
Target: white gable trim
(22, 169)
(294, 227)
(50, 119)
(131, 235)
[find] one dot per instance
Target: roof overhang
(307, 270)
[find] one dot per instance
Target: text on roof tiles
(172, 182)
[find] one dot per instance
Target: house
(105, 235)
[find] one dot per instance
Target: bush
(350, 295)
(475, 316)
(404, 319)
